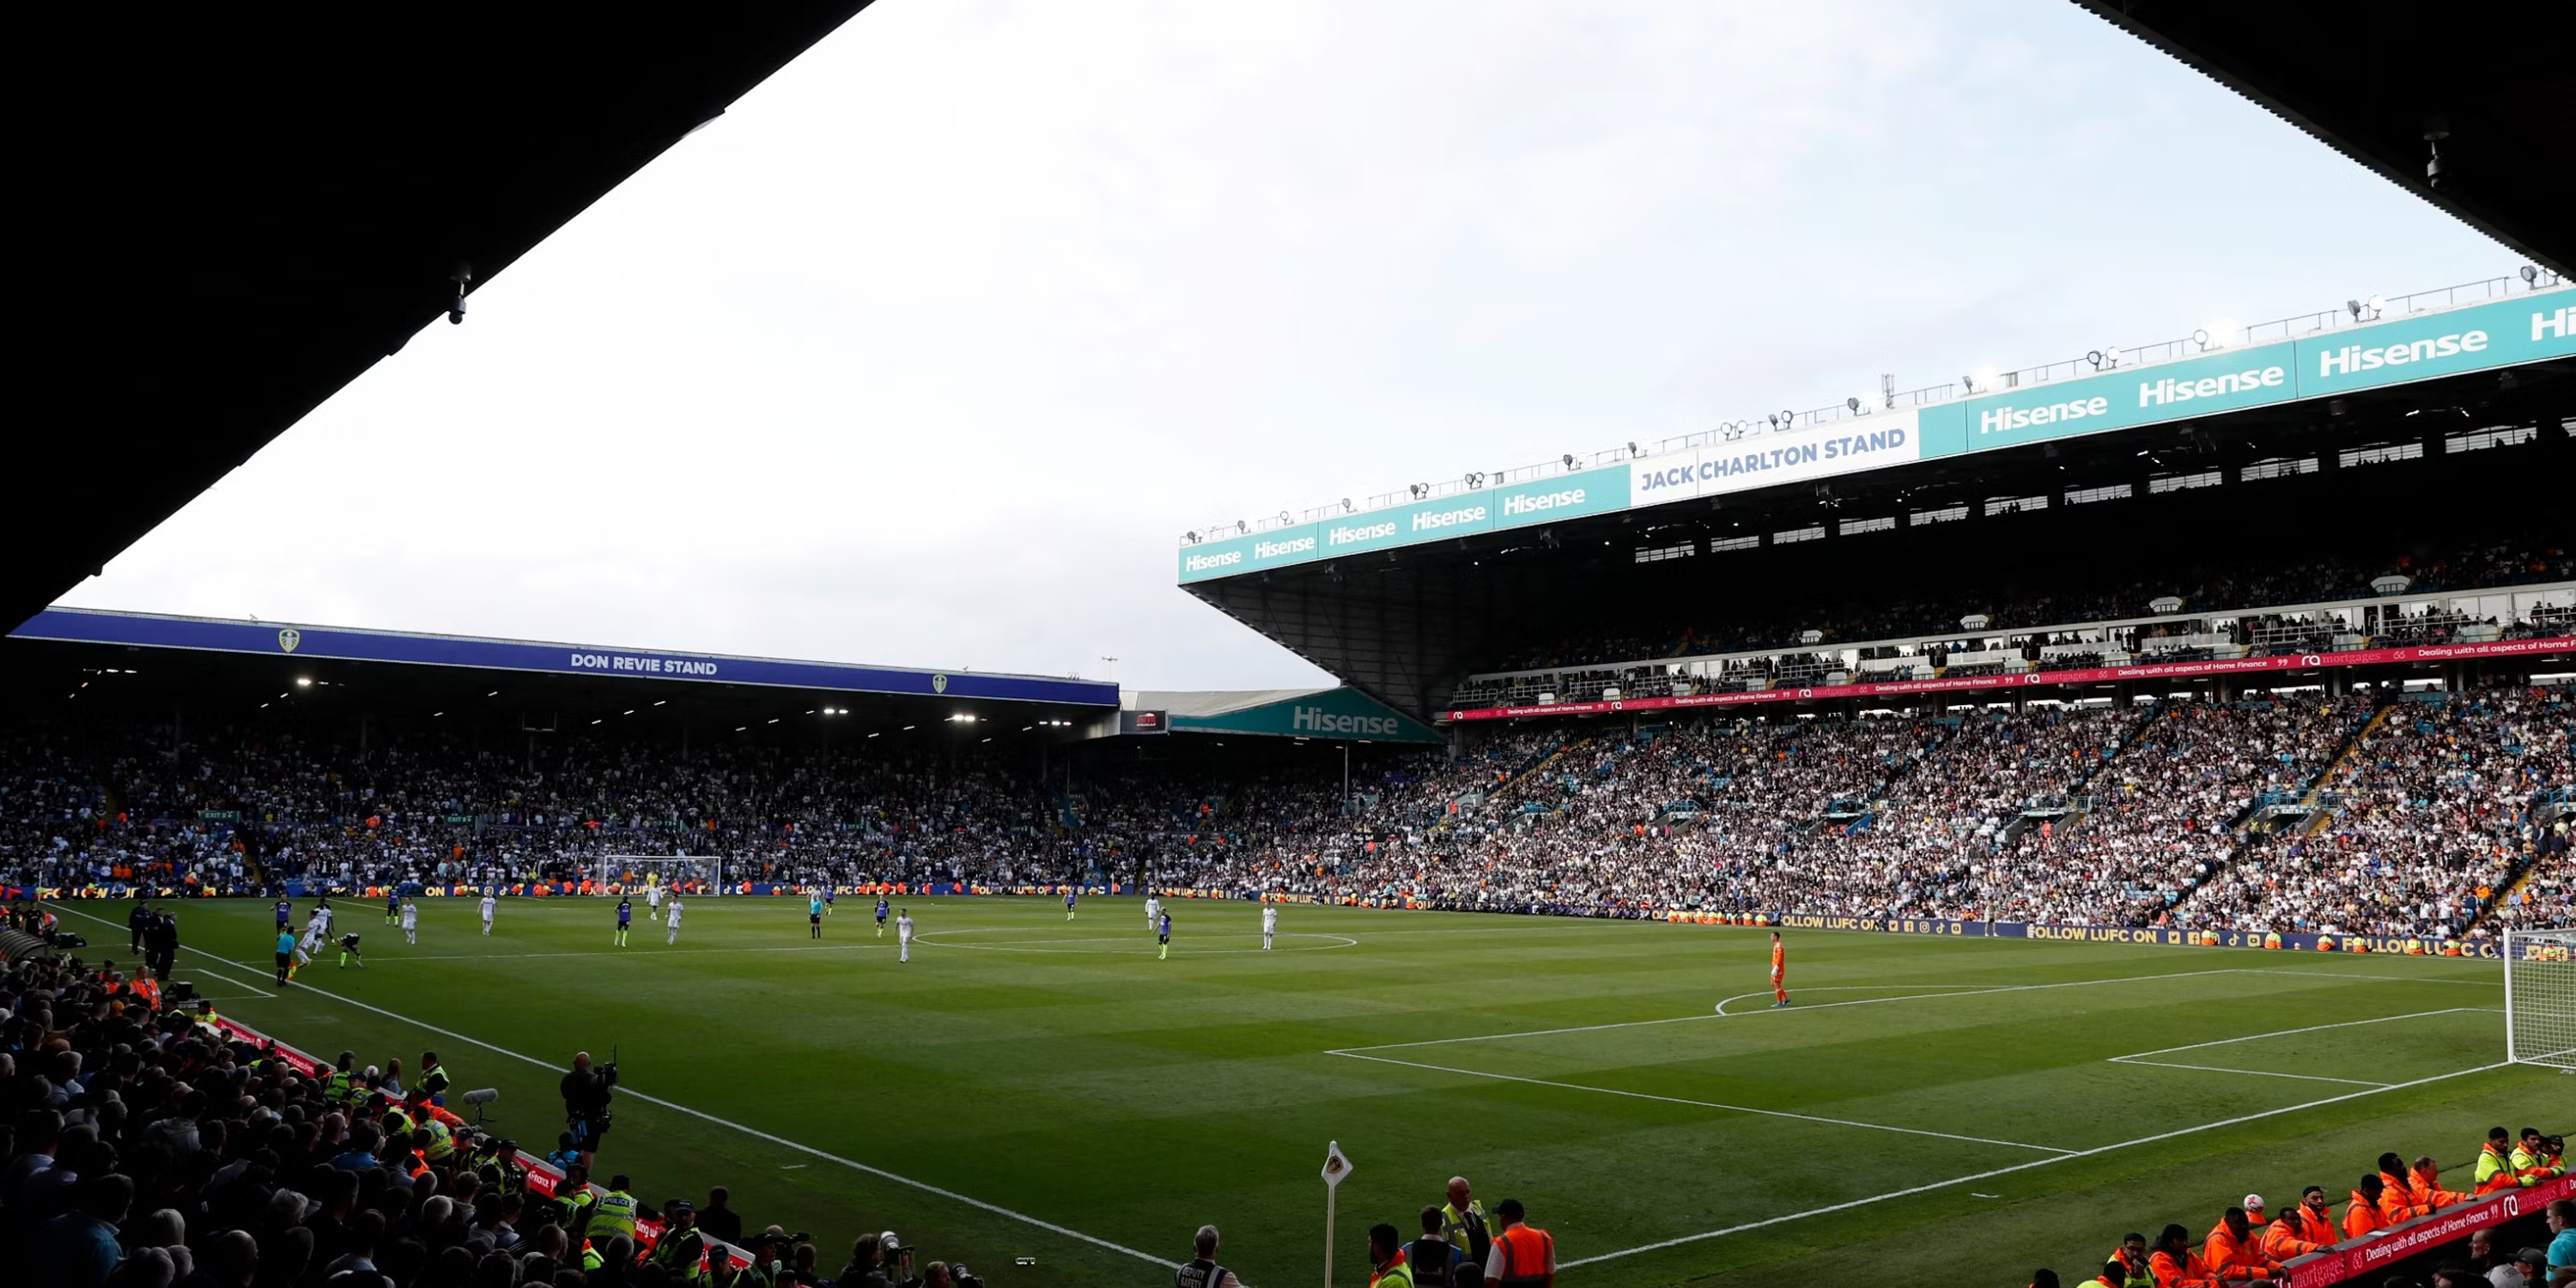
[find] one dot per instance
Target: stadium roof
(301, 643)
(2325, 359)
(1405, 624)
(240, 209)
(2387, 82)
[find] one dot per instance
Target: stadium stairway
(1508, 791)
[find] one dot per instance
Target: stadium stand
(147, 1144)
(2425, 815)
(2238, 603)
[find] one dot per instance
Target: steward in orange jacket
(2364, 1215)
(2424, 1186)
(2115, 1274)
(2231, 1252)
(2306, 1227)
(2175, 1265)
(2396, 1200)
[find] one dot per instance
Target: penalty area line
(853, 1164)
(2096, 1151)
(1703, 1104)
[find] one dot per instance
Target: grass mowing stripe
(1704, 1104)
(853, 1164)
(2251, 1073)
(2313, 1028)
(1793, 1010)
(2024, 1167)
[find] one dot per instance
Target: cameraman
(585, 1096)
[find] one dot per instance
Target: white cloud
(927, 351)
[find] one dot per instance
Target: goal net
(687, 873)
(2540, 997)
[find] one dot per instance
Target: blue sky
(928, 350)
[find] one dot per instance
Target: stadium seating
(2360, 814)
(148, 1147)
(1576, 667)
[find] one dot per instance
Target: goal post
(2540, 997)
(701, 874)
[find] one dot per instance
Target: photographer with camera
(585, 1096)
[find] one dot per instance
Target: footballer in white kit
(903, 936)
(1153, 911)
(653, 902)
(673, 921)
(489, 905)
(410, 922)
(1269, 924)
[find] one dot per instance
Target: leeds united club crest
(939, 684)
(287, 639)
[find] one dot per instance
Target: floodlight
(1632, 449)
(1346, 505)
(2200, 336)
(2530, 275)
(2378, 305)
(1191, 537)
(2094, 357)
(1569, 460)
(1242, 527)
(304, 682)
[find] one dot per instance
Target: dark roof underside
(239, 209)
(2373, 78)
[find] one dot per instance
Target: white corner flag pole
(1335, 1168)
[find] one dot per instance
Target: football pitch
(1931, 1111)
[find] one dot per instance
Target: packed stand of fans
(2240, 581)
(140, 1147)
(2421, 830)
(2136, 816)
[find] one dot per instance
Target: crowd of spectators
(2195, 813)
(2243, 580)
(2252, 1247)
(143, 1147)
(2422, 827)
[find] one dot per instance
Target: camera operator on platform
(585, 1096)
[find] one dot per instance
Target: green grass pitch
(1932, 1111)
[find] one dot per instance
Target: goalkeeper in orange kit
(1779, 971)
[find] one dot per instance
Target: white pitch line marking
(2253, 1073)
(1704, 1104)
(2019, 1167)
(853, 1164)
(2313, 1028)
(1791, 1010)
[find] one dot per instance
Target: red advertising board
(2035, 679)
(2374, 1253)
